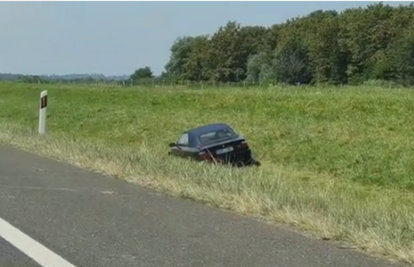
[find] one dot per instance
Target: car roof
(208, 128)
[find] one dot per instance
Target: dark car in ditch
(216, 142)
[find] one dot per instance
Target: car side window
(183, 141)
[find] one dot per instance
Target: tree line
(371, 45)
(350, 47)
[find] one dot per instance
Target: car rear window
(216, 135)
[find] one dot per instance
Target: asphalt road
(11, 256)
(92, 220)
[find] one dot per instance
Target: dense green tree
(180, 51)
(197, 67)
(141, 73)
(256, 64)
(352, 46)
(399, 61)
(291, 63)
(225, 56)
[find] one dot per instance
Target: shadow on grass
(227, 162)
(239, 164)
(253, 163)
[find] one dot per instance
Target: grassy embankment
(336, 162)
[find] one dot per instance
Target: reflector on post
(42, 112)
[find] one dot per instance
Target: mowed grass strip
(336, 162)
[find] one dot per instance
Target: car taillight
(243, 145)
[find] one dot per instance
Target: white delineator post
(42, 112)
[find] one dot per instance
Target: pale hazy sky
(115, 38)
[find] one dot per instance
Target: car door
(181, 149)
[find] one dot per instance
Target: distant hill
(13, 77)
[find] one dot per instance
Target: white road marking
(30, 247)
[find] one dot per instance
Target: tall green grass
(336, 162)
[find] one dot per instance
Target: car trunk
(228, 150)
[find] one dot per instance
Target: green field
(337, 163)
